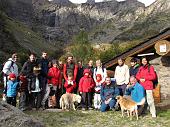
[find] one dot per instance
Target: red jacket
(69, 87)
(148, 73)
(54, 76)
(86, 84)
(74, 71)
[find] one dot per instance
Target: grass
(99, 119)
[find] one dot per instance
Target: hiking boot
(90, 108)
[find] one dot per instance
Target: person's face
(70, 59)
(144, 61)
(120, 62)
(87, 74)
(32, 58)
(133, 64)
(90, 63)
(15, 58)
(98, 64)
(12, 79)
(108, 81)
(80, 63)
(70, 78)
(60, 62)
(55, 65)
(98, 78)
(44, 55)
(132, 81)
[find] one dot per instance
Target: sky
(146, 2)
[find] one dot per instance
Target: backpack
(1, 68)
(155, 82)
(102, 69)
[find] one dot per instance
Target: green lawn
(98, 119)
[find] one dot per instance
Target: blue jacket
(107, 92)
(137, 92)
(12, 87)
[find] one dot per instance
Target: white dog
(67, 101)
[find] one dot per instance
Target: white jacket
(7, 69)
(101, 71)
(122, 75)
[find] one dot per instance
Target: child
(54, 86)
(24, 94)
(70, 85)
(11, 89)
(34, 88)
(86, 85)
(97, 98)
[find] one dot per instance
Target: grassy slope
(17, 37)
(99, 119)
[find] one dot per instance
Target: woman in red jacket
(54, 84)
(146, 75)
(86, 86)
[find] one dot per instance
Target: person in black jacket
(44, 64)
(26, 74)
(134, 67)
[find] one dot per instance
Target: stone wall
(162, 67)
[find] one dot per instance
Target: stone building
(159, 57)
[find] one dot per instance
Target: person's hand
(59, 86)
(19, 94)
(128, 86)
(29, 92)
(107, 101)
(80, 92)
(142, 80)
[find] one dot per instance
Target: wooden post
(162, 47)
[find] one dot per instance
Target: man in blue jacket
(136, 92)
(108, 93)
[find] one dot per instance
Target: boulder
(12, 117)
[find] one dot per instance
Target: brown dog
(67, 101)
(127, 104)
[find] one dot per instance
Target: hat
(86, 71)
(100, 77)
(12, 75)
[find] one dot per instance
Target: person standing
(10, 67)
(99, 70)
(122, 76)
(79, 75)
(44, 64)
(70, 67)
(133, 70)
(146, 75)
(86, 85)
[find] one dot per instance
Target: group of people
(41, 83)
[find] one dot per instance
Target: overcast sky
(146, 2)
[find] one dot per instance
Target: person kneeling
(108, 93)
(136, 93)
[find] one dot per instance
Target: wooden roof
(150, 42)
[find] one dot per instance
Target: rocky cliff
(58, 21)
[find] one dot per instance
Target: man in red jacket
(146, 75)
(86, 85)
(70, 67)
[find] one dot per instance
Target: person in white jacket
(10, 67)
(99, 70)
(122, 76)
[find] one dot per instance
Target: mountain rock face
(105, 22)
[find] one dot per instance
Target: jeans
(11, 100)
(86, 100)
(105, 106)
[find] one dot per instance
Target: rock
(13, 117)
